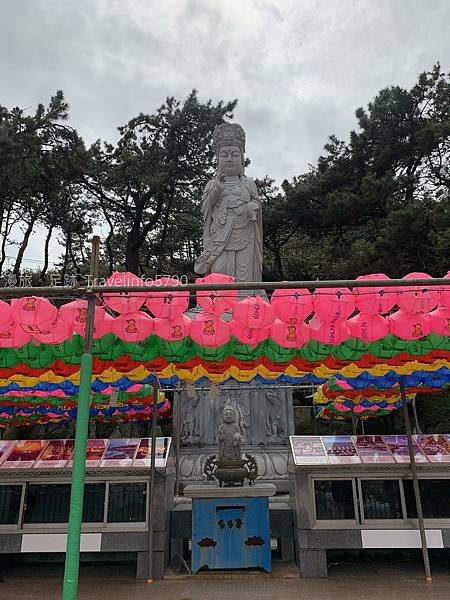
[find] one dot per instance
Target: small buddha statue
(229, 436)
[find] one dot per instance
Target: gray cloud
(299, 69)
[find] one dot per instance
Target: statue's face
(228, 415)
(229, 160)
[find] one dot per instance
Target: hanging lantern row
(251, 320)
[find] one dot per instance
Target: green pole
(72, 563)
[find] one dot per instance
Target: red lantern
(291, 334)
(292, 304)
(209, 330)
(133, 327)
(34, 314)
(173, 330)
(125, 302)
(164, 304)
(417, 299)
(407, 326)
(254, 313)
(368, 328)
(374, 300)
(333, 304)
(217, 302)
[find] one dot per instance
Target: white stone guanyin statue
(232, 230)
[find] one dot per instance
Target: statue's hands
(218, 186)
(253, 208)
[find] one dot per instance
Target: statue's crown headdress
(228, 134)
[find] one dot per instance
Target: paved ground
(374, 582)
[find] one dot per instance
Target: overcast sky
(299, 68)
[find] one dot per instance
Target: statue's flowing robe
(232, 239)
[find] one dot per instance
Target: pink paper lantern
(333, 304)
(14, 337)
(217, 302)
(246, 335)
(253, 313)
(440, 320)
(75, 313)
(125, 302)
(407, 326)
(292, 334)
(173, 330)
(374, 300)
(368, 328)
(417, 299)
(292, 304)
(34, 314)
(331, 333)
(445, 293)
(59, 333)
(210, 330)
(133, 327)
(103, 327)
(164, 304)
(6, 317)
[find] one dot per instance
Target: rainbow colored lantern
(291, 334)
(333, 304)
(408, 326)
(133, 327)
(164, 304)
(125, 302)
(210, 330)
(292, 304)
(253, 313)
(173, 330)
(417, 300)
(216, 302)
(368, 328)
(374, 300)
(34, 314)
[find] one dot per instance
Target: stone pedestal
(265, 418)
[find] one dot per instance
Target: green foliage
(433, 411)
(378, 203)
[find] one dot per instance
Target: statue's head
(229, 414)
(229, 146)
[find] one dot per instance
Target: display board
(49, 454)
(365, 449)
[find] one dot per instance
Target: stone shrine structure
(233, 242)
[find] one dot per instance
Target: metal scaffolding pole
(151, 515)
(72, 563)
(79, 291)
(423, 538)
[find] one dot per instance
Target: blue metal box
(230, 533)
